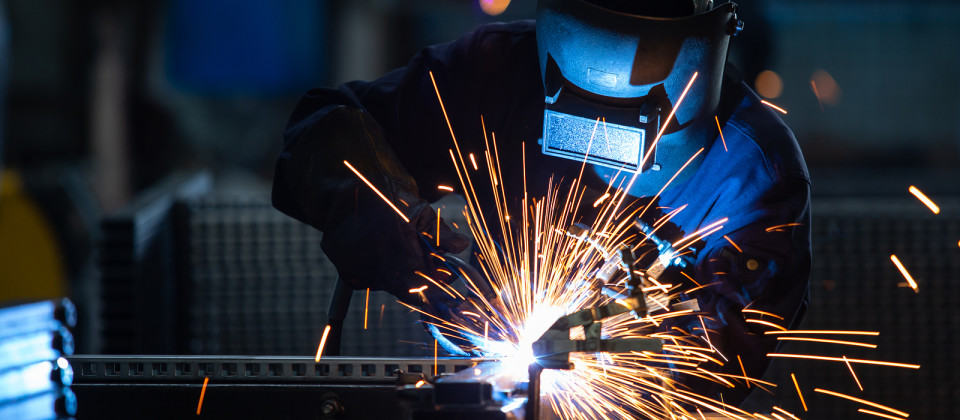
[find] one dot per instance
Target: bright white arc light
(515, 358)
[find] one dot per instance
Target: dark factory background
(138, 143)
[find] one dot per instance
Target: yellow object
(31, 265)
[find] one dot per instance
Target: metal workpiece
(554, 346)
(35, 347)
(47, 315)
(36, 378)
(58, 402)
(255, 369)
(483, 392)
(552, 350)
(162, 387)
(669, 256)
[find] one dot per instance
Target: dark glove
(368, 241)
(463, 325)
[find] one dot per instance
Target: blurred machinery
(855, 286)
(224, 273)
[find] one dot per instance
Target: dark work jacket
(755, 175)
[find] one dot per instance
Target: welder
(540, 87)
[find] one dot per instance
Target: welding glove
(368, 241)
(462, 323)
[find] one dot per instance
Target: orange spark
(445, 289)
(734, 244)
(382, 306)
(438, 228)
(780, 227)
(816, 93)
(781, 110)
(743, 370)
(862, 401)
(445, 116)
(824, 332)
(323, 341)
(366, 309)
(785, 412)
(473, 160)
(821, 340)
(600, 200)
(913, 284)
(435, 357)
(419, 289)
(769, 324)
(420, 383)
(802, 401)
(926, 200)
(886, 416)
(852, 373)
(706, 334)
(715, 376)
(664, 287)
(721, 133)
(837, 359)
(385, 199)
(755, 311)
(666, 123)
(713, 227)
(203, 391)
(444, 188)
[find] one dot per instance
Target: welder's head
(626, 63)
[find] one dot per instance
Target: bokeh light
(825, 87)
(769, 84)
(494, 7)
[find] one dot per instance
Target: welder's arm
(768, 270)
(392, 131)
(369, 243)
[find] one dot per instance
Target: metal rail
(255, 369)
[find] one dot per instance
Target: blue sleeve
(763, 266)
(760, 262)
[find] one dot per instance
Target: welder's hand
(463, 327)
(464, 321)
(368, 241)
(384, 252)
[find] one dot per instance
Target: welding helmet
(614, 70)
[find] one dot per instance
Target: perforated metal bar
(253, 369)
